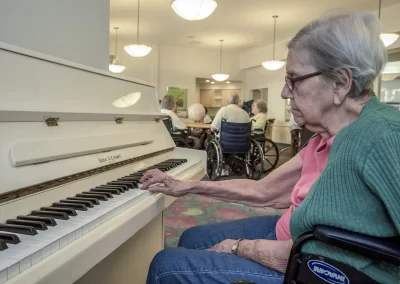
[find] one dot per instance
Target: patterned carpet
(192, 210)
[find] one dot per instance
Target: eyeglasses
(290, 81)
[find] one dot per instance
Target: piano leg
(130, 262)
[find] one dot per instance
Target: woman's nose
(286, 92)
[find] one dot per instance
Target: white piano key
(13, 270)
(5, 264)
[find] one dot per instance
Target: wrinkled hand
(156, 181)
(224, 246)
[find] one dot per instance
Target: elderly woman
(168, 107)
(331, 66)
(259, 109)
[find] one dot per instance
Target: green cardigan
(359, 189)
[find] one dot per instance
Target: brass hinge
(52, 121)
(119, 120)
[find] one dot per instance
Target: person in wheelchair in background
(230, 113)
(197, 113)
(168, 107)
(260, 119)
(347, 177)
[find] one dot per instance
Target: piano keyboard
(26, 240)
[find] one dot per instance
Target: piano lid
(60, 119)
(33, 81)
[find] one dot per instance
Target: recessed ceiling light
(212, 82)
(228, 82)
(207, 81)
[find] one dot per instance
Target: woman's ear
(343, 85)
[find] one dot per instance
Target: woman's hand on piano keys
(156, 181)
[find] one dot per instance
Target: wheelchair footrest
(309, 268)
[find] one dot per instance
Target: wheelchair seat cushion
(385, 249)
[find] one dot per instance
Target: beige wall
(179, 67)
(74, 30)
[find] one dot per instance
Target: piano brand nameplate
(42, 151)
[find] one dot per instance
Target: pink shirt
(314, 155)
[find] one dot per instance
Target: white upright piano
(73, 143)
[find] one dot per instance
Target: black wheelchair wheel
(254, 161)
(214, 160)
(271, 155)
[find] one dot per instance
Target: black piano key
(9, 238)
(47, 220)
(80, 207)
(120, 188)
(133, 182)
(130, 179)
(129, 184)
(41, 226)
(94, 201)
(68, 211)
(124, 185)
(109, 190)
(51, 214)
(19, 229)
(3, 245)
(106, 194)
(97, 196)
(87, 203)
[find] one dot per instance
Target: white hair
(233, 99)
(261, 105)
(196, 112)
(345, 40)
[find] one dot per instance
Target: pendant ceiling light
(137, 50)
(387, 38)
(115, 66)
(220, 77)
(273, 64)
(194, 10)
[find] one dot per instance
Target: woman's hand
(224, 246)
(156, 181)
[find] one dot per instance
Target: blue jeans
(191, 263)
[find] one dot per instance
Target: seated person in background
(196, 113)
(168, 107)
(259, 109)
(231, 113)
(207, 119)
(330, 75)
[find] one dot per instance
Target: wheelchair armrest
(183, 132)
(385, 249)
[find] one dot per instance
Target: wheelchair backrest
(168, 124)
(235, 137)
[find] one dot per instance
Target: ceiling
(241, 23)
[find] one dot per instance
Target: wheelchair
(179, 136)
(306, 268)
(271, 151)
(234, 147)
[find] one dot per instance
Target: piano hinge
(52, 121)
(119, 120)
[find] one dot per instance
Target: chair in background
(180, 137)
